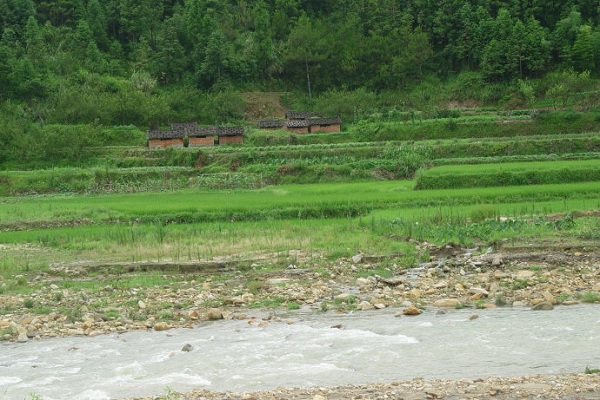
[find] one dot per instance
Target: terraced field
(469, 172)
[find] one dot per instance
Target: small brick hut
(164, 138)
(298, 125)
(197, 136)
(325, 125)
(202, 136)
(302, 122)
(230, 134)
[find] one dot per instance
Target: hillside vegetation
(80, 74)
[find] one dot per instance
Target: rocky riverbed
(541, 277)
(555, 387)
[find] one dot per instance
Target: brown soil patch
(264, 105)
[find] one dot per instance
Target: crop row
(518, 158)
(88, 180)
(508, 174)
(256, 169)
(281, 202)
(338, 154)
(552, 123)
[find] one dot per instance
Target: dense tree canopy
(316, 45)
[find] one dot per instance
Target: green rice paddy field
(333, 219)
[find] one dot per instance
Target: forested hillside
(142, 62)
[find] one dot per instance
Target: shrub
(589, 297)
(349, 105)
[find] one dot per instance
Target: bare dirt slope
(264, 105)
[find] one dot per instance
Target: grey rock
(393, 281)
(476, 290)
(357, 258)
(447, 303)
(214, 314)
(543, 306)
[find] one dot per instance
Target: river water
(368, 347)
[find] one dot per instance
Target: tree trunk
(308, 78)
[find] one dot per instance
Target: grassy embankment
(509, 174)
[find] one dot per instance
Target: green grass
(513, 167)
(279, 202)
(394, 211)
(589, 297)
(268, 302)
(508, 174)
(226, 203)
(590, 371)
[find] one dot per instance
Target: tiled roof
(271, 124)
(201, 131)
(297, 123)
(166, 134)
(230, 130)
(299, 114)
(181, 130)
(326, 121)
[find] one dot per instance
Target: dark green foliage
(316, 211)
(328, 46)
(15, 13)
(350, 106)
(143, 63)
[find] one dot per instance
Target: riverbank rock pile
(450, 277)
(549, 387)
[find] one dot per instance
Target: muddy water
(368, 347)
